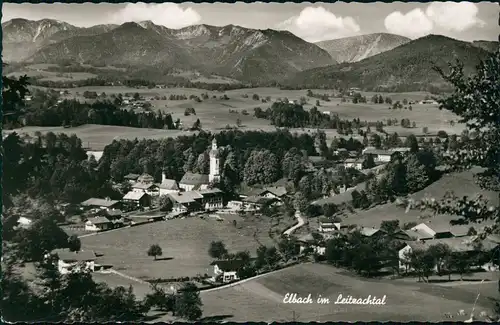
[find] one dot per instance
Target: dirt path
(300, 223)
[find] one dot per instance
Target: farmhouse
(149, 188)
(146, 179)
(227, 270)
(167, 185)
(194, 181)
(328, 224)
(309, 241)
(211, 199)
(356, 163)
(465, 245)
(135, 199)
(380, 155)
(98, 224)
(71, 262)
(103, 204)
(428, 230)
(132, 178)
(276, 193)
(188, 201)
(257, 202)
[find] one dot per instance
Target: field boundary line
(124, 276)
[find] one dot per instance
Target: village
(196, 197)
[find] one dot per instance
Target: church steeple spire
(214, 175)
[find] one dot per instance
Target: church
(194, 181)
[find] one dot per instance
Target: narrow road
(300, 223)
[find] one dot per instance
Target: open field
(262, 299)
(462, 184)
(184, 242)
(99, 136)
(214, 114)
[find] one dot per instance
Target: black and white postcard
(250, 162)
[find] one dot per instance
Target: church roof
(194, 179)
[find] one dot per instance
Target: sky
(312, 22)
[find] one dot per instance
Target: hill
(404, 68)
(357, 48)
(489, 46)
(241, 53)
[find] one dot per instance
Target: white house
(167, 185)
(227, 270)
(308, 241)
(186, 201)
(69, 262)
(211, 199)
(328, 225)
(383, 156)
(149, 188)
(136, 199)
(430, 230)
(98, 224)
(356, 163)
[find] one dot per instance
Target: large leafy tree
(476, 100)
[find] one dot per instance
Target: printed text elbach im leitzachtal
(293, 298)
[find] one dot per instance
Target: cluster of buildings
(419, 237)
(380, 156)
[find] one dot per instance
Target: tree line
(74, 113)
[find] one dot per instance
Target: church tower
(214, 175)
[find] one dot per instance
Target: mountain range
(241, 53)
(249, 55)
(407, 67)
(357, 48)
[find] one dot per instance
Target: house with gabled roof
(167, 185)
(103, 204)
(328, 224)
(136, 199)
(72, 262)
(227, 270)
(149, 188)
(380, 155)
(98, 223)
(146, 179)
(194, 181)
(188, 201)
(132, 178)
